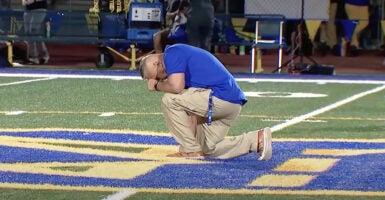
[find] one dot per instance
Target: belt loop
(210, 114)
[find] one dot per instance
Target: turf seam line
(27, 81)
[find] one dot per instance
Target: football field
(99, 134)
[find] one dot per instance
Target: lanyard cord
(210, 114)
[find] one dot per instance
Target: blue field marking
(358, 173)
(28, 155)
(95, 136)
(350, 172)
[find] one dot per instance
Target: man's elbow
(176, 89)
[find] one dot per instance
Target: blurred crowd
(194, 22)
(363, 16)
(332, 37)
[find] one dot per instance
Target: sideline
(246, 77)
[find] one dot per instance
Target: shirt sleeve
(175, 61)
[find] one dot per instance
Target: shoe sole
(267, 146)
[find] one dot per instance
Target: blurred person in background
(178, 29)
(200, 24)
(357, 10)
(34, 18)
(160, 37)
(331, 32)
(175, 16)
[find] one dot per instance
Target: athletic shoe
(266, 151)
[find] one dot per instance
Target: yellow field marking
(351, 118)
(158, 153)
(342, 152)
(193, 191)
(273, 180)
(86, 131)
(307, 165)
(139, 132)
(112, 170)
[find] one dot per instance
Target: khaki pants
(360, 13)
(186, 115)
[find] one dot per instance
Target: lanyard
(210, 114)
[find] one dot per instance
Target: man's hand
(173, 84)
(151, 84)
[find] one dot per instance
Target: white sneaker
(267, 151)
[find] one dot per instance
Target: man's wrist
(156, 86)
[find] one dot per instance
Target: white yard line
(26, 81)
(319, 81)
(251, 80)
(120, 77)
(120, 195)
(300, 118)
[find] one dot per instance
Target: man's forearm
(166, 86)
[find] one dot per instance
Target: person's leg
(206, 36)
(193, 33)
(45, 53)
(178, 110)
(38, 20)
(212, 137)
(360, 13)
(331, 26)
(31, 52)
(186, 117)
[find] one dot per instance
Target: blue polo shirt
(202, 70)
